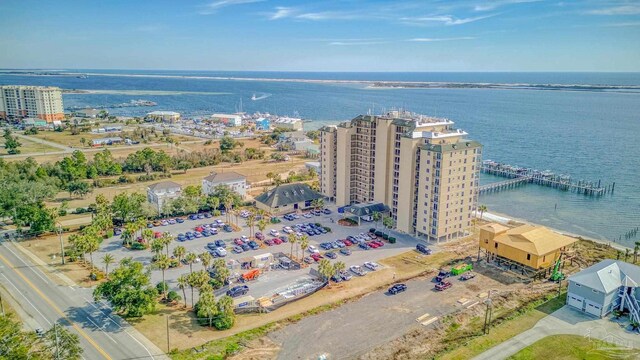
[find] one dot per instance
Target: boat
(82, 76)
(254, 97)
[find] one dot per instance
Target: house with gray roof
(236, 182)
(287, 198)
(604, 287)
(159, 193)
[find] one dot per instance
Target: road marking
(108, 318)
(71, 287)
(27, 265)
(463, 300)
(30, 303)
(136, 340)
(99, 327)
(56, 309)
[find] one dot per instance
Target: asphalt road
(103, 335)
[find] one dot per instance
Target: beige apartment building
(41, 102)
(423, 168)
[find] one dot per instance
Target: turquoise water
(591, 135)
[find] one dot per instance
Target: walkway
(565, 321)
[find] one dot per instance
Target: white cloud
(491, 5)
(213, 7)
(443, 19)
(281, 13)
(441, 39)
(357, 43)
(623, 24)
(633, 9)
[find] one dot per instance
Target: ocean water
(590, 134)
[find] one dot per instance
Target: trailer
(461, 269)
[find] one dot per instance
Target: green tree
(226, 317)
(207, 308)
(190, 258)
(78, 187)
(325, 269)
(179, 252)
(338, 267)
(128, 207)
(107, 260)
(293, 240)
(482, 209)
(304, 243)
(128, 289)
(15, 343)
(388, 222)
(156, 247)
(60, 343)
(166, 240)
(92, 245)
(183, 282)
(227, 144)
(376, 216)
(219, 272)
(11, 143)
(162, 263)
(206, 259)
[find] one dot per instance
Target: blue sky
(329, 35)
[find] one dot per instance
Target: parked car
(149, 225)
(326, 246)
(181, 237)
(219, 222)
(238, 290)
(208, 215)
(326, 211)
(193, 217)
(259, 236)
(339, 243)
(206, 233)
(221, 252)
(371, 265)
(199, 229)
(117, 231)
(220, 243)
(200, 216)
(330, 255)
(423, 249)
(197, 235)
(316, 257)
(269, 242)
(254, 245)
(346, 242)
(308, 260)
(345, 275)
(212, 245)
(357, 270)
(397, 288)
(228, 228)
(179, 220)
(306, 215)
(336, 278)
(443, 286)
(237, 249)
(468, 276)
(277, 241)
(238, 241)
(441, 276)
(345, 252)
(274, 232)
(245, 247)
(364, 246)
(156, 223)
(287, 229)
(312, 249)
(172, 221)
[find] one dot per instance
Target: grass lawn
(570, 347)
(28, 147)
(505, 330)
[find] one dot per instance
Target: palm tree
(92, 245)
(157, 246)
(304, 243)
(147, 235)
(636, 248)
(200, 279)
(228, 204)
(163, 263)
(190, 259)
(129, 233)
(325, 269)
(376, 216)
(166, 239)
(107, 260)
(183, 282)
(482, 209)
(207, 305)
(262, 224)
(206, 259)
(179, 252)
(338, 267)
(626, 254)
(251, 222)
(213, 202)
(293, 240)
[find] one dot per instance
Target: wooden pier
(519, 176)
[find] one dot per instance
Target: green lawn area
(28, 147)
(504, 331)
(570, 347)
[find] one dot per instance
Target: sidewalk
(565, 321)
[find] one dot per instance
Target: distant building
(162, 116)
(304, 145)
(534, 247)
(106, 141)
(34, 122)
(41, 102)
(263, 124)
(159, 193)
(604, 287)
(87, 113)
(288, 123)
(236, 182)
(315, 165)
(228, 119)
(287, 198)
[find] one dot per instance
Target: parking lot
(272, 280)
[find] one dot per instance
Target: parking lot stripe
(433, 319)
(422, 317)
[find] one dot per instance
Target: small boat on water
(254, 97)
(82, 76)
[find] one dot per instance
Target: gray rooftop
(366, 209)
(608, 275)
(164, 185)
(288, 194)
(224, 177)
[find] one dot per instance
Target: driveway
(565, 321)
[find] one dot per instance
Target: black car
(238, 290)
(397, 288)
(245, 247)
(327, 211)
(330, 255)
(423, 249)
(220, 243)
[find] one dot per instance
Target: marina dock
(518, 176)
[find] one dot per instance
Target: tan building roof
(494, 228)
(225, 177)
(537, 240)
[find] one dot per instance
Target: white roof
(163, 113)
(608, 275)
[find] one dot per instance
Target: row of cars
(204, 230)
(307, 215)
(442, 284)
(310, 229)
(180, 220)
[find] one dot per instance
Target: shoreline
(505, 219)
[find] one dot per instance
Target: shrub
(109, 234)
(138, 246)
(162, 286)
(173, 296)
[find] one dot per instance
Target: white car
(287, 229)
(221, 252)
(357, 270)
(371, 265)
(274, 232)
(312, 249)
(244, 237)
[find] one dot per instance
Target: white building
(228, 119)
(41, 102)
(236, 182)
(164, 116)
(288, 123)
(159, 193)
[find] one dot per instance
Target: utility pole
(487, 314)
(61, 243)
(55, 330)
(168, 346)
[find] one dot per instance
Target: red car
(316, 257)
(373, 245)
(277, 241)
(259, 236)
(269, 242)
(199, 229)
(380, 243)
(347, 242)
(443, 286)
(238, 241)
(157, 234)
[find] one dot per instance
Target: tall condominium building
(421, 167)
(42, 102)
